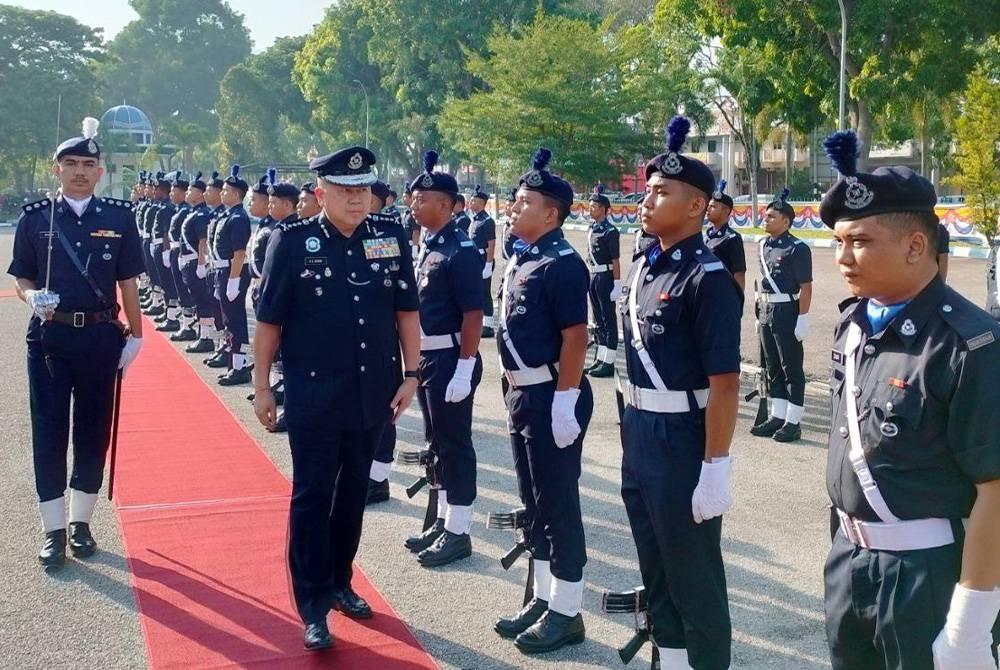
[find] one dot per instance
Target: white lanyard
(766, 270)
(633, 315)
(508, 274)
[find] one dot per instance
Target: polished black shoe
(317, 637)
(553, 631)
(222, 359)
(351, 604)
(523, 620)
(169, 326)
(156, 310)
(768, 428)
(601, 370)
(377, 491)
(185, 335)
(790, 432)
(236, 377)
(487, 332)
(202, 346)
(279, 424)
(417, 543)
(53, 553)
(81, 543)
(448, 548)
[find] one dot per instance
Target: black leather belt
(81, 319)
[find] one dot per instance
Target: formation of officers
(399, 306)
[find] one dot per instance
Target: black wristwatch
(411, 374)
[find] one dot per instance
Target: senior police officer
(681, 314)
(603, 250)
(783, 315)
(483, 232)
(451, 322)
(542, 345)
(192, 262)
(914, 450)
(70, 257)
(721, 239)
(339, 298)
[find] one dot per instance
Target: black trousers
(786, 379)
(197, 288)
(605, 315)
(77, 364)
(330, 462)
(488, 296)
(166, 276)
(152, 269)
(448, 425)
(234, 313)
(183, 295)
(680, 561)
(548, 478)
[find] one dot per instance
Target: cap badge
(355, 162)
(717, 195)
(427, 181)
(312, 244)
(908, 328)
(672, 164)
(857, 195)
(534, 179)
(92, 147)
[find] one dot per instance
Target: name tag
(383, 248)
(105, 233)
(838, 357)
(314, 261)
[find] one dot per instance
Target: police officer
(943, 250)
(783, 315)
(158, 190)
(192, 262)
(462, 220)
(335, 280)
(603, 249)
(913, 467)
(161, 219)
(410, 224)
(681, 314)
(642, 240)
(483, 232)
(508, 237)
(725, 243)
(232, 274)
(451, 322)
(183, 332)
(75, 341)
(308, 205)
(213, 198)
(260, 208)
(542, 346)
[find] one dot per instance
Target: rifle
(634, 602)
(516, 520)
(428, 460)
(760, 379)
(113, 457)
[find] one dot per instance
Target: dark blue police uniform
(214, 217)
(603, 249)
(482, 231)
(194, 230)
(160, 223)
(462, 221)
(727, 245)
(232, 234)
(184, 298)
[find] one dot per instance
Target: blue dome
(125, 119)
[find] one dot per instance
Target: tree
(43, 55)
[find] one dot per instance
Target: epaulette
(973, 325)
(298, 224)
(115, 202)
(560, 248)
(385, 219)
(844, 304)
(279, 225)
(35, 206)
(798, 241)
(709, 262)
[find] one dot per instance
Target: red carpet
(203, 514)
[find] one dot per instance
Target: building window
(712, 146)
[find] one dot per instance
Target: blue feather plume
(272, 176)
(842, 149)
(430, 160)
(722, 185)
(677, 131)
(215, 175)
(234, 171)
(197, 176)
(541, 159)
(783, 196)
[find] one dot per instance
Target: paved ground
(775, 538)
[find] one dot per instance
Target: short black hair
(902, 223)
(561, 206)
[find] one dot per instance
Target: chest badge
(676, 255)
(387, 283)
(106, 256)
(327, 272)
(319, 290)
(908, 328)
(312, 244)
(394, 267)
(521, 309)
(889, 429)
(657, 329)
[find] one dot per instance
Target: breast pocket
(895, 416)
(661, 322)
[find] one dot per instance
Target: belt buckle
(79, 319)
(859, 532)
(510, 378)
(635, 397)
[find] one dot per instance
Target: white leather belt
(435, 342)
(219, 264)
(600, 268)
(663, 402)
(778, 297)
(186, 258)
(530, 376)
(157, 240)
(903, 535)
(175, 245)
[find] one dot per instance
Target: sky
(266, 19)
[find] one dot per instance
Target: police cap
(674, 165)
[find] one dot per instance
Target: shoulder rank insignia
(35, 206)
(115, 202)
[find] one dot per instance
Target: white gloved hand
(200, 272)
(460, 385)
(488, 270)
(616, 290)
(714, 494)
(129, 352)
(964, 642)
(232, 288)
(42, 302)
(565, 428)
(165, 255)
(802, 327)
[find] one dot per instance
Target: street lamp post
(843, 61)
(365, 91)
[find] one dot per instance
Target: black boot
(790, 432)
(169, 326)
(223, 359)
(317, 637)
(156, 310)
(523, 620)
(417, 543)
(553, 631)
(202, 346)
(53, 553)
(351, 604)
(602, 369)
(448, 548)
(377, 491)
(487, 332)
(188, 334)
(768, 428)
(236, 377)
(81, 542)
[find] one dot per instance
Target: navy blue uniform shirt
(232, 233)
(727, 245)
(789, 261)
(604, 243)
(161, 220)
(448, 280)
(258, 245)
(482, 231)
(195, 228)
(462, 221)
(177, 221)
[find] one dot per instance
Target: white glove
(802, 327)
(565, 428)
(232, 288)
(200, 272)
(965, 641)
(129, 352)
(42, 302)
(616, 290)
(152, 248)
(487, 270)
(714, 494)
(460, 385)
(166, 258)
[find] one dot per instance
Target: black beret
(599, 197)
(84, 145)
(214, 181)
(284, 190)
(459, 198)
(160, 181)
(433, 181)
(234, 179)
(348, 167)
(511, 196)
(478, 192)
(309, 187)
(179, 182)
(197, 182)
(857, 195)
(140, 178)
(781, 204)
(538, 178)
(380, 191)
(720, 195)
(674, 165)
(266, 180)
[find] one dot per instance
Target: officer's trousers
(448, 425)
(488, 297)
(166, 276)
(548, 477)
(152, 267)
(386, 450)
(786, 379)
(78, 364)
(210, 286)
(234, 313)
(605, 315)
(885, 608)
(680, 561)
(330, 462)
(197, 288)
(183, 295)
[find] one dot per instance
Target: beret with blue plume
(599, 197)
(781, 204)
(720, 195)
(198, 182)
(674, 165)
(215, 181)
(235, 180)
(433, 180)
(285, 190)
(262, 183)
(178, 181)
(538, 178)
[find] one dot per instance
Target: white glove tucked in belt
(166, 258)
(232, 288)
(488, 270)
(802, 327)
(565, 428)
(616, 290)
(460, 385)
(42, 302)
(965, 641)
(200, 272)
(129, 352)
(714, 494)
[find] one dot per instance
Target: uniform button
(534, 250)
(843, 431)
(362, 368)
(521, 298)
(357, 299)
(698, 251)
(869, 349)
(856, 391)
(354, 274)
(77, 244)
(350, 253)
(649, 277)
(312, 373)
(889, 406)
(946, 308)
(361, 322)
(363, 345)
(658, 312)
